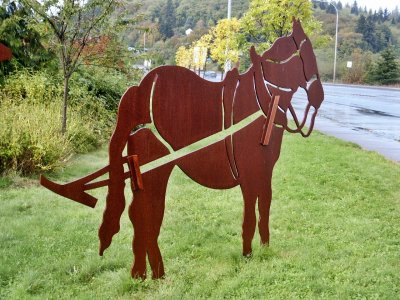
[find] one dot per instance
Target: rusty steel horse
(185, 109)
(5, 53)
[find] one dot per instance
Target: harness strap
(136, 175)
(269, 122)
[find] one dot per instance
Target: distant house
(5, 53)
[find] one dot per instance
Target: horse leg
(146, 214)
(249, 219)
(264, 203)
(156, 183)
(136, 216)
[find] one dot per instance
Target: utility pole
(228, 62)
(336, 40)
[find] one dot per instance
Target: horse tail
(133, 111)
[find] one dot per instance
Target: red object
(185, 109)
(5, 53)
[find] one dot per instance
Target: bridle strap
(299, 126)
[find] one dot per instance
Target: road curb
(363, 86)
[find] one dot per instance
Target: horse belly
(186, 108)
(209, 167)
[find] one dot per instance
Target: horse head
(288, 65)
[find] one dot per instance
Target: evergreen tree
(386, 70)
(380, 16)
(339, 5)
(386, 15)
(315, 4)
(395, 14)
(361, 24)
(354, 8)
(375, 16)
(188, 23)
(376, 38)
(331, 10)
(369, 34)
(384, 37)
(167, 20)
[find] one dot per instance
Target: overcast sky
(376, 4)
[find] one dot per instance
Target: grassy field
(335, 233)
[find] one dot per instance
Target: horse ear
(253, 55)
(298, 32)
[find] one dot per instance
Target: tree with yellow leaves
(267, 20)
(195, 56)
(262, 24)
(184, 57)
(200, 51)
(225, 41)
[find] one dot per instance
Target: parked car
(211, 74)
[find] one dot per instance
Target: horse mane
(287, 46)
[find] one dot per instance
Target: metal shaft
(227, 66)
(336, 40)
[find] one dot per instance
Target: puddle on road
(364, 95)
(367, 111)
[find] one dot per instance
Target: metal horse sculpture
(184, 109)
(5, 53)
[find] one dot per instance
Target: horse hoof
(136, 274)
(247, 254)
(158, 275)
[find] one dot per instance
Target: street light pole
(336, 40)
(227, 66)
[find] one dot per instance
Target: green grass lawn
(335, 233)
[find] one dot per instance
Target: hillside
(359, 45)
(166, 22)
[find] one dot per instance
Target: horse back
(185, 107)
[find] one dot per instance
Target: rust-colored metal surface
(173, 110)
(5, 53)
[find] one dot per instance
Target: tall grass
(30, 110)
(30, 137)
(334, 235)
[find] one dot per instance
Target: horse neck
(240, 100)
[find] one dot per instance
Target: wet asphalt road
(367, 116)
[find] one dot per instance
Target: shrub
(386, 70)
(36, 87)
(106, 85)
(30, 138)
(361, 61)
